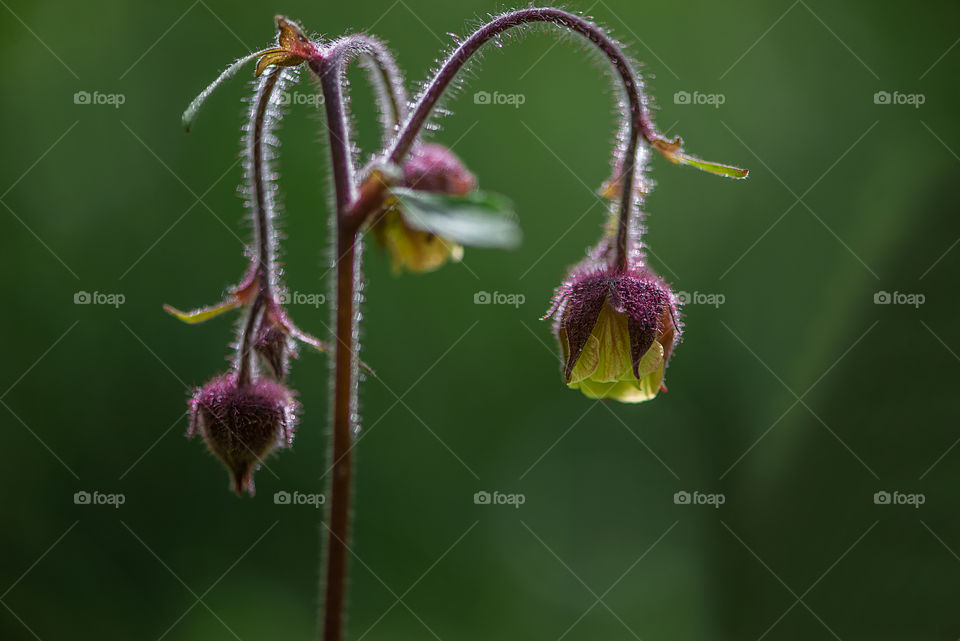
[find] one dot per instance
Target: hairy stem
(245, 354)
(388, 81)
(384, 74)
(639, 124)
(264, 231)
(329, 70)
(263, 263)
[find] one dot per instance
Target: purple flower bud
(243, 424)
(435, 168)
(273, 342)
(617, 331)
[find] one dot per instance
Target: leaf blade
(203, 314)
(479, 219)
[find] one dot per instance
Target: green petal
(616, 361)
(632, 391)
(587, 363)
(647, 387)
(652, 360)
(204, 313)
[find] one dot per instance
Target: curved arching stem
(639, 123)
(263, 268)
(386, 78)
(263, 227)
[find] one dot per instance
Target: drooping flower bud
(242, 424)
(432, 168)
(616, 331)
(273, 342)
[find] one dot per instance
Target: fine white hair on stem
(193, 109)
(260, 190)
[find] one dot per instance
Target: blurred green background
(797, 399)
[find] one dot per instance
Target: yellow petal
(632, 391)
(587, 363)
(652, 360)
(413, 250)
(615, 357)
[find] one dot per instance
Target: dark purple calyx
(243, 424)
(273, 343)
(434, 168)
(641, 296)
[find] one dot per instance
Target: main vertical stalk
(342, 475)
(329, 70)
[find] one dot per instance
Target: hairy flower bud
(433, 168)
(273, 342)
(242, 424)
(616, 331)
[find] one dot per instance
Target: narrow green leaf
(479, 219)
(670, 149)
(204, 313)
(709, 167)
(190, 114)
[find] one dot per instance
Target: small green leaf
(709, 167)
(671, 151)
(204, 313)
(479, 219)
